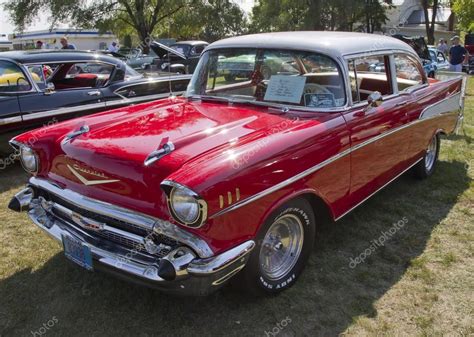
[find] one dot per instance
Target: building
(83, 39)
(407, 18)
(5, 43)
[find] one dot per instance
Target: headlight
(29, 159)
(185, 205)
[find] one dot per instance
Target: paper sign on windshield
(284, 88)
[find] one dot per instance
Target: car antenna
(169, 64)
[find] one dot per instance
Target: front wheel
(427, 165)
(283, 246)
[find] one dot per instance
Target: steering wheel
(313, 88)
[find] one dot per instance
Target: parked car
(439, 60)
(139, 60)
(39, 86)
(181, 57)
(469, 45)
(418, 44)
(230, 181)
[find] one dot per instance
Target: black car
(181, 57)
(38, 87)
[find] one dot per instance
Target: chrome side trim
(146, 222)
(62, 111)
(447, 105)
(10, 120)
(381, 188)
(319, 166)
(127, 101)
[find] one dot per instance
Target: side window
(39, 73)
(82, 75)
(368, 74)
(12, 78)
(407, 71)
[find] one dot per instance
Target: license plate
(76, 251)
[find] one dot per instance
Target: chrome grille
(112, 236)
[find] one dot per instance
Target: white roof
(335, 44)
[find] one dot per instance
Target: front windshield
(297, 78)
(181, 48)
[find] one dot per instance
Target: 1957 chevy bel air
(230, 181)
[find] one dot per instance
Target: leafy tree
(278, 15)
(464, 10)
(142, 15)
(208, 20)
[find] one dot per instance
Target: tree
(142, 15)
(278, 15)
(464, 10)
(430, 22)
(208, 20)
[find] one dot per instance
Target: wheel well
(321, 209)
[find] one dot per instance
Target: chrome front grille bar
(148, 223)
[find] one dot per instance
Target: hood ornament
(83, 129)
(166, 147)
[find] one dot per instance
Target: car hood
(107, 162)
(161, 50)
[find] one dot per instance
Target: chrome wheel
(430, 156)
(281, 246)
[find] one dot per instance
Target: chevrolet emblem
(75, 170)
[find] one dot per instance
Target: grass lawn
(421, 282)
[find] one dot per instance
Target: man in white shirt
(114, 47)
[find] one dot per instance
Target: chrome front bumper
(184, 270)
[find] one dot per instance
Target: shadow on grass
(328, 297)
(12, 176)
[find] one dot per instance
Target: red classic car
(230, 181)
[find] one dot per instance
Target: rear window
(12, 78)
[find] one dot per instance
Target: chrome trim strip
(447, 105)
(62, 111)
(127, 101)
(381, 188)
(10, 120)
(146, 222)
(318, 167)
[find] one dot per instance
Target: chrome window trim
(326, 162)
(144, 221)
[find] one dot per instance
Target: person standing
(65, 44)
(443, 46)
(457, 55)
(39, 44)
(113, 48)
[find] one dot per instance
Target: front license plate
(76, 251)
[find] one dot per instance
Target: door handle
(94, 93)
(401, 103)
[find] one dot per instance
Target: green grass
(421, 283)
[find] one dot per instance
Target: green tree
(278, 15)
(208, 20)
(142, 15)
(464, 10)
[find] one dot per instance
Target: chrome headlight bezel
(23, 151)
(175, 191)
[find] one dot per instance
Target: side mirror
(50, 89)
(375, 99)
